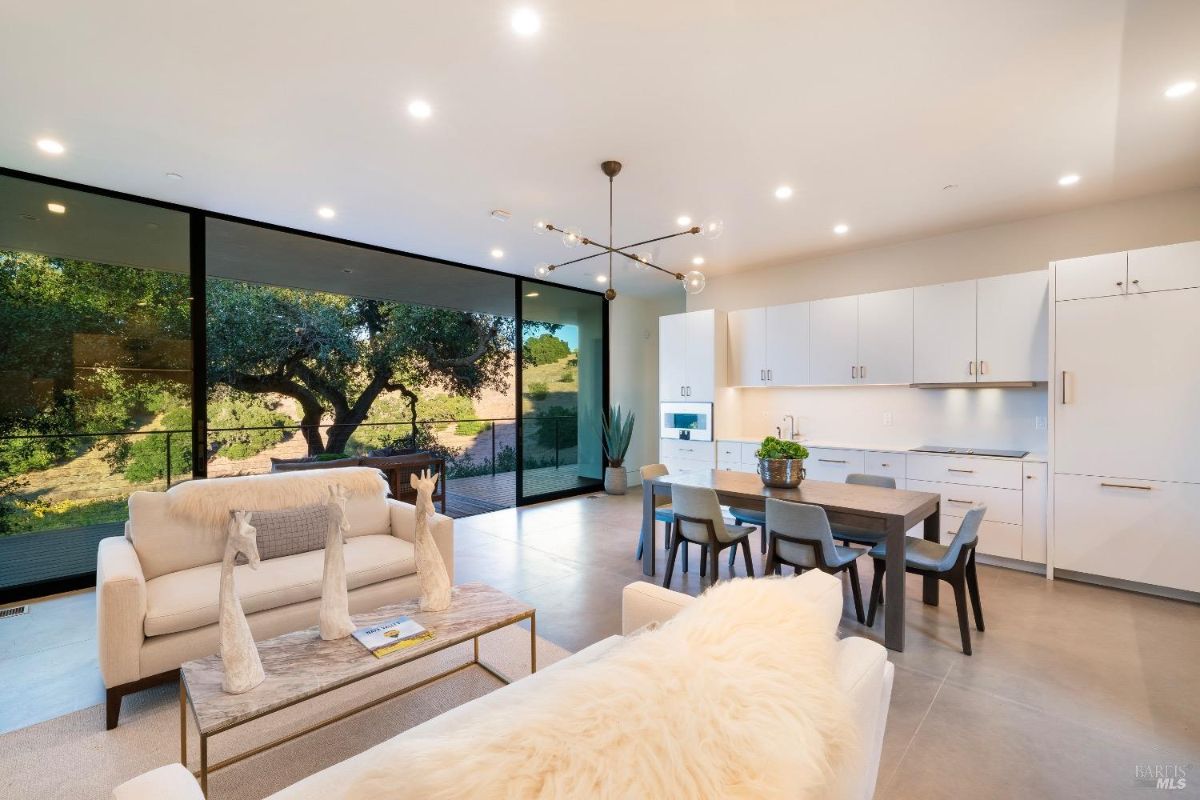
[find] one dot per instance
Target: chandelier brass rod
(619, 251)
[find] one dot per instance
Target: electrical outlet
(887, 418)
(1039, 423)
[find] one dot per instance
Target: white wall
(978, 417)
(633, 368)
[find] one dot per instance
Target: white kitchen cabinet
(828, 464)
(787, 344)
(944, 333)
(748, 347)
(834, 341)
(1134, 530)
(691, 356)
(1091, 276)
(672, 356)
(1033, 513)
(1012, 320)
(1003, 505)
(700, 370)
(1172, 266)
(891, 465)
(968, 470)
(885, 342)
(684, 456)
(995, 538)
(1127, 387)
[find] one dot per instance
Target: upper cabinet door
(1173, 266)
(700, 334)
(885, 341)
(944, 333)
(787, 344)
(1013, 319)
(672, 355)
(833, 347)
(1091, 276)
(748, 347)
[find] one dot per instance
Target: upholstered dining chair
(800, 536)
(698, 519)
(662, 513)
(851, 535)
(748, 516)
(953, 563)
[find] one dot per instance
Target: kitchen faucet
(791, 420)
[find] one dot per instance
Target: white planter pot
(614, 480)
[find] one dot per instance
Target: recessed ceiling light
(698, 260)
(420, 109)
(1181, 89)
(783, 192)
(347, 270)
(531, 294)
(841, 229)
(497, 252)
(325, 212)
(526, 21)
(601, 279)
(683, 220)
(51, 146)
(175, 176)
(1068, 180)
(56, 208)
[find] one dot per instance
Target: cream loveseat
(862, 669)
(157, 587)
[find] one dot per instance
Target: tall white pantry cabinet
(1126, 416)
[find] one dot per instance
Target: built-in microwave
(690, 421)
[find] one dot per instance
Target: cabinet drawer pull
(982, 367)
(862, 372)
(831, 460)
(970, 367)
(952, 469)
(853, 373)
(885, 465)
(1064, 400)
(1126, 486)
(770, 376)
(960, 502)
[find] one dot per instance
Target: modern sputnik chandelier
(693, 281)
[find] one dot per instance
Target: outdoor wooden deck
(483, 493)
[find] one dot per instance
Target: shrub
(544, 349)
(146, 458)
(329, 456)
(248, 411)
(471, 428)
(568, 376)
(537, 391)
(545, 427)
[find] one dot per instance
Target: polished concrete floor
(1072, 689)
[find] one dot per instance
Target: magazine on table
(393, 635)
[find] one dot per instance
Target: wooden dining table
(891, 512)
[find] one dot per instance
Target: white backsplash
(997, 418)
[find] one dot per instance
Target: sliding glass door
(562, 390)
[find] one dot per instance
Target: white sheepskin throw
(210, 502)
(736, 697)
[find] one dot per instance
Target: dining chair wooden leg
(958, 582)
(676, 540)
(703, 560)
(714, 552)
(641, 544)
(973, 588)
(746, 555)
(685, 557)
(732, 555)
(762, 539)
(856, 590)
(876, 592)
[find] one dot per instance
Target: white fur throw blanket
(736, 697)
(210, 502)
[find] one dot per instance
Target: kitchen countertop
(1034, 457)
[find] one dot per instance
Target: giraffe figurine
(335, 622)
(239, 656)
(431, 569)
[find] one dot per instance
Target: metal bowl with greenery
(781, 463)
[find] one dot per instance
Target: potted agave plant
(781, 463)
(617, 430)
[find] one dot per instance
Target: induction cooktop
(970, 451)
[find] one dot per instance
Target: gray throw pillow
(289, 531)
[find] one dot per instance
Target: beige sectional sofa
(863, 671)
(157, 587)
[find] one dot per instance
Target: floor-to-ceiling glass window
(562, 379)
(95, 373)
(319, 350)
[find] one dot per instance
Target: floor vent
(15, 611)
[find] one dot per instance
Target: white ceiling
(270, 109)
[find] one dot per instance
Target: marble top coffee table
(301, 666)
